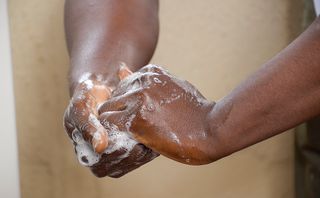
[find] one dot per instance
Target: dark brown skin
(169, 114)
(100, 34)
(280, 95)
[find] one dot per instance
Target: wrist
(217, 119)
(105, 65)
(95, 73)
(208, 142)
(88, 81)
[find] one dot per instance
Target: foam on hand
(124, 141)
(85, 154)
(118, 140)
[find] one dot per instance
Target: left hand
(106, 151)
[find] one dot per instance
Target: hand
(106, 151)
(163, 112)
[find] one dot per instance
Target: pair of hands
(149, 113)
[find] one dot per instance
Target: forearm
(102, 34)
(282, 94)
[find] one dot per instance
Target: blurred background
(213, 44)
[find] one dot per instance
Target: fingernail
(99, 141)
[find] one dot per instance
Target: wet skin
(100, 35)
(166, 113)
(78, 117)
(283, 93)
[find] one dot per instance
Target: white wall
(9, 181)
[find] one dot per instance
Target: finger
(124, 71)
(107, 166)
(121, 119)
(153, 68)
(139, 156)
(67, 124)
(107, 163)
(114, 104)
(100, 139)
(120, 111)
(85, 120)
(122, 102)
(84, 115)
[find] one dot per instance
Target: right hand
(106, 152)
(165, 113)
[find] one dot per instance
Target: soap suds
(115, 173)
(85, 154)
(128, 123)
(117, 141)
(88, 80)
(124, 141)
(156, 80)
(89, 84)
(84, 77)
(120, 140)
(195, 96)
(174, 137)
(134, 82)
(170, 99)
(93, 119)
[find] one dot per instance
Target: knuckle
(152, 68)
(67, 124)
(112, 121)
(104, 119)
(66, 117)
(86, 101)
(116, 173)
(103, 107)
(140, 96)
(144, 78)
(85, 127)
(77, 104)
